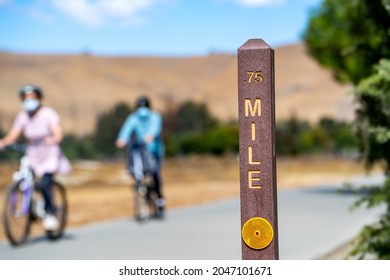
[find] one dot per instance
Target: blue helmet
(30, 88)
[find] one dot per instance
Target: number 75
(255, 75)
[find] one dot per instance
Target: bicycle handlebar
(20, 148)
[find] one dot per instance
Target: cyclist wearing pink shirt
(40, 125)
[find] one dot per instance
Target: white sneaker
(50, 222)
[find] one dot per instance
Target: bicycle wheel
(151, 198)
(61, 207)
(155, 211)
(17, 213)
(141, 204)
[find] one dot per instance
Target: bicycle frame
(138, 169)
(26, 178)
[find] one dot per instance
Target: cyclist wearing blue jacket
(147, 126)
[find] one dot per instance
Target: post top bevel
(254, 44)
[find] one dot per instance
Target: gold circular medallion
(257, 233)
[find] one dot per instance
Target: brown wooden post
(258, 194)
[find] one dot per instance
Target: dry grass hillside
(82, 86)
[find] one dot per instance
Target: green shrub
(222, 139)
(107, 128)
(78, 147)
(192, 117)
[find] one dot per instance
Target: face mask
(143, 112)
(30, 105)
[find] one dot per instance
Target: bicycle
(24, 203)
(141, 166)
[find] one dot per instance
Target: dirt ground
(99, 191)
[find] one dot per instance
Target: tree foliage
(296, 137)
(208, 135)
(374, 238)
(192, 117)
(288, 134)
(352, 38)
(349, 36)
(373, 116)
(191, 128)
(78, 147)
(107, 128)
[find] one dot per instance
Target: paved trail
(312, 222)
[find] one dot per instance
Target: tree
(107, 128)
(193, 117)
(76, 147)
(374, 129)
(349, 36)
(341, 134)
(373, 116)
(185, 128)
(290, 131)
(352, 38)
(223, 138)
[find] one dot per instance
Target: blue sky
(148, 27)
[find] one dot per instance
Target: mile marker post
(258, 194)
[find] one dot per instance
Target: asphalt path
(312, 223)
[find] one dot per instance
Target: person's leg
(45, 187)
(160, 203)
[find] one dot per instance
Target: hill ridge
(82, 86)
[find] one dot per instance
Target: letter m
(252, 109)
